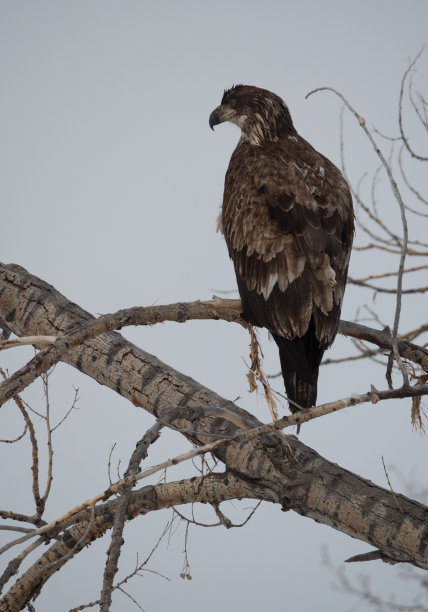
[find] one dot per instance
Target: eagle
(288, 221)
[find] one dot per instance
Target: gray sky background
(111, 186)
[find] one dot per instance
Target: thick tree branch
(293, 474)
(213, 488)
(91, 328)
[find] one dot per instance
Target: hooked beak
(220, 114)
(215, 117)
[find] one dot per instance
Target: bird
(288, 222)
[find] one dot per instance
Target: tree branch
(111, 567)
(212, 488)
(404, 241)
(285, 470)
(91, 328)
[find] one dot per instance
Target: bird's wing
(288, 222)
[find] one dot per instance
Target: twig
(407, 182)
(411, 335)
(117, 487)
(397, 196)
(194, 521)
(45, 381)
(354, 281)
(387, 274)
(185, 572)
(23, 518)
(412, 252)
(422, 118)
(180, 312)
(256, 374)
(373, 396)
(400, 109)
(363, 355)
(390, 486)
(37, 341)
(72, 407)
(113, 554)
(35, 454)
(130, 597)
(12, 441)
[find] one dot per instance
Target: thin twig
(403, 252)
(12, 441)
(390, 486)
(45, 381)
(37, 341)
(400, 108)
(373, 396)
(358, 283)
(35, 454)
(407, 182)
(388, 274)
(72, 407)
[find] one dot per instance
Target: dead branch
(111, 567)
(45, 379)
(91, 328)
(400, 109)
(282, 469)
(411, 252)
(39, 502)
(408, 185)
(212, 488)
(36, 341)
(403, 242)
(388, 274)
(377, 289)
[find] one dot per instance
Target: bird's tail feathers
(300, 360)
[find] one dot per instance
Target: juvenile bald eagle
(288, 221)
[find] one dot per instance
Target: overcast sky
(111, 186)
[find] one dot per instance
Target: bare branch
(45, 379)
(408, 185)
(39, 502)
(111, 567)
(211, 488)
(412, 252)
(150, 315)
(423, 118)
(359, 283)
(388, 274)
(13, 440)
(36, 341)
(400, 109)
(181, 312)
(404, 243)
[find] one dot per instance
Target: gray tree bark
(276, 468)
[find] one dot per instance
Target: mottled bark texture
(276, 468)
(206, 489)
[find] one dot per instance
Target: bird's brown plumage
(288, 222)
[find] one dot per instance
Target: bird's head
(261, 114)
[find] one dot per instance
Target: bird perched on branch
(288, 221)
